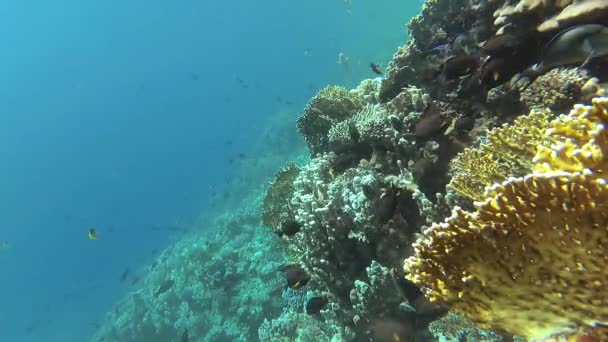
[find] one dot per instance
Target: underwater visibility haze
(336, 170)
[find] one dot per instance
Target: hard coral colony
(469, 114)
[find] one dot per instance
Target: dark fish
(195, 76)
(124, 275)
(458, 66)
(289, 228)
(295, 275)
(576, 45)
(465, 123)
(406, 288)
(164, 287)
(315, 304)
(430, 123)
(242, 155)
(185, 337)
(502, 45)
(92, 235)
(376, 69)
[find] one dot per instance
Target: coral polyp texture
(530, 259)
(577, 141)
(507, 152)
(330, 106)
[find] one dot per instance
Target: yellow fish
(92, 234)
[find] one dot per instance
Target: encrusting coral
(531, 259)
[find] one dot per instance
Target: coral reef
(464, 116)
(531, 270)
(232, 283)
(558, 90)
(330, 106)
(276, 210)
(506, 152)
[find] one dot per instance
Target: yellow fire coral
(507, 152)
(577, 141)
(531, 259)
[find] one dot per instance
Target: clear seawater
(130, 117)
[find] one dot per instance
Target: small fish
(124, 275)
(92, 235)
(376, 69)
(295, 275)
(315, 304)
(164, 287)
(289, 228)
(5, 245)
(441, 49)
(185, 337)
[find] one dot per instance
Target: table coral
(530, 259)
(577, 141)
(579, 12)
(507, 151)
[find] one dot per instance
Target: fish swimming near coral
(457, 66)
(376, 69)
(124, 275)
(573, 46)
(315, 304)
(185, 336)
(295, 275)
(164, 287)
(289, 228)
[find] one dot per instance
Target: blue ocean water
(129, 117)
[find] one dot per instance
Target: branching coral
(330, 106)
(508, 151)
(530, 260)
